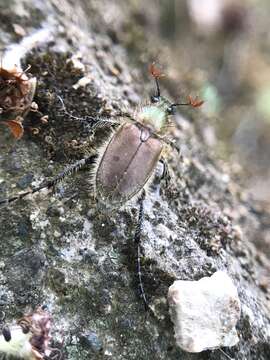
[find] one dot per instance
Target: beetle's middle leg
(167, 176)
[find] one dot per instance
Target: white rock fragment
(76, 62)
(204, 312)
(82, 82)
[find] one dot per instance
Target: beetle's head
(156, 114)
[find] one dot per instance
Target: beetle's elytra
(127, 164)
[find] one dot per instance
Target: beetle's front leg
(168, 141)
(172, 144)
(168, 177)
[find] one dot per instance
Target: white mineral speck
(204, 312)
(57, 234)
(82, 82)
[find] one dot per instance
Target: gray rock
(92, 341)
(204, 312)
(191, 229)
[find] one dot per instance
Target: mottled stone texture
(60, 250)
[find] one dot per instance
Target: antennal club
(157, 74)
(194, 102)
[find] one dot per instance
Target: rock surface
(58, 250)
(204, 312)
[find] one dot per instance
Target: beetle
(125, 164)
(119, 175)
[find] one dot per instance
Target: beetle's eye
(171, 110)
(154, 99)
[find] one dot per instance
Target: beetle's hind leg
(137, 241)
(51, 183)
